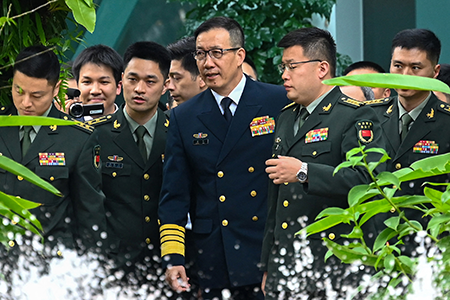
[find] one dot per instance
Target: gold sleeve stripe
(172, 238)
(172, 247)
(172, 232)
(172, 226)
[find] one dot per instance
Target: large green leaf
(20, 170)
(83, 12)
(393, 81)
(349, 256)
(11, 206)
(29, 120)
(324, 224)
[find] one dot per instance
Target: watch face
(302, 176)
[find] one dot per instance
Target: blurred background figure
(249, 68)
(444, 76)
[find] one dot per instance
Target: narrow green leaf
(389, 262)
(355, 234)
(28, 121)
(386, 178)
(332, 211)
(382, 238)
(323, 224)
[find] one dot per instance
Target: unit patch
(365, 132)
(97, 156)
(316, 135)
(52, 159)
(429, 147)
(262, 125)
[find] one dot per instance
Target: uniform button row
(222, 198)
(220, 174)
(225, 221)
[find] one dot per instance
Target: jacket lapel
(390, 127)
(211, 116)
(159, 140)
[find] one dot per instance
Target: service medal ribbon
(262, 125)
(52, 159)
(429, 147)
(316, 135)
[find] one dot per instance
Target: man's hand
(177, 279)
(283, 169)
(263, 283)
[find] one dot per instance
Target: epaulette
(350, 102)
(287, 106)
(84, 127)
(101, 120)
(445, 107)
(376, 102)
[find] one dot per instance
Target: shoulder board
(287, 106)
(376, 102)
(101, 120)
(445, 107)
(350, 102)
(84, 127)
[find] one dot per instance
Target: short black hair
(444, 74)
(364, 64)
(38, 62)
(316, 44)
(237, 38)
(422, 39)
(99, 55)
(251, 64)
(149, 51)
(183, 50)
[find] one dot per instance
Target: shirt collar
(414, 113)
(312, 106)
(235, 94)
(150, 125)
(37, 127)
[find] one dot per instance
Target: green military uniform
(337, 125)
(132, 189)
(68, 158)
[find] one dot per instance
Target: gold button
(286, 183)
(255, 218)
(398, 166)
(251, 169)
(273, 155)
(253, 193)
(225, 223)
(314, 153)
(59, 253)
(114, 174)
(285, 203)
(20, 178)
(284, 225)
(18, 197)
(1, 154)
(65, 118)
(331, 236)
(147, 240)
(11, 243)
(146, 176)
(3, 108)
(159, 222)
(220, 174)
(52, 178)
(108, 117)
(222, 198)
(147, 219)
(146, 197)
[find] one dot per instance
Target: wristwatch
(302, 174)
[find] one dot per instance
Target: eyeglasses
(213, 53)
(290, 66)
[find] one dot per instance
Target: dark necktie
(225, 103)
(26, 140)
(140, 132)
(301, 118)
(406, 121)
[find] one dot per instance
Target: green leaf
(433, 194)
(83, 12)
(386, 178)
(28, 121)
(20, 170)
(436, 222)
(345, 164)
(389, 262)
(356, 193)
(332, 211)
(355, 234)
(349, 256)
(392, 222)
(393, 81)
(324, 224)
(382, 238)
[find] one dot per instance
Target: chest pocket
(52, 173)
(316, 149)
(116, 169)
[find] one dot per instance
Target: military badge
(200, 139)
(97, 156)
(316, 135)
(115, 158)
(116, 124)
(166, 124)
(429, 147)
(114, 165)
(53, 127)
(365, 132)
(52, 159)
(262, 125)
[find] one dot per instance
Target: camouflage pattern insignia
(351, 102)
(97, 156)
(85, 126)
(166, 123)
(444, 107)
(287, 106)
(430, 115)
(365, 132)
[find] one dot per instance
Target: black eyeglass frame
(219, 53)
(282, 67)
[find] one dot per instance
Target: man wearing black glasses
(214, 169)
(312, 137)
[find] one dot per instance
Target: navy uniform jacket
(78, 178)
(334, 128)
(426, 137)
(217, 174)
(132, 188)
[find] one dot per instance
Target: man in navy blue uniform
(217, 144)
